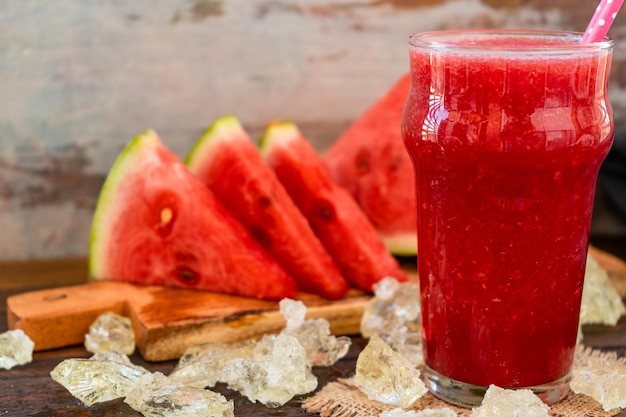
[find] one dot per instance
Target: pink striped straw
(601, 21)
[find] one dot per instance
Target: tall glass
(507, 131)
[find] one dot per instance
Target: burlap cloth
(343, 399)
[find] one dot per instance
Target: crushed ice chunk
(110, 332)
(322, 348)
(436, 412)
(294, 313)
(602, 379)
(386, 376)
(16, 348)
(499, 402)
(201, 365)
(277, 371)
(103, 377)
(157, 395)
(601, 303)
(272, 370)
(394, 315)
(428, 412)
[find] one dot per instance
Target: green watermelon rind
(280, 132)
(404, 244)
(198, 153)
(108, 201)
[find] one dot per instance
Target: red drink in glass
(507, 132)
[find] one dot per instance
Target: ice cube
(322, 348)
(394, 315)
(601, 303)
(500, 402)
(110, 332)
(386, 376)
(277, 371)
(16, 348)
(602, 378)
(103, 377)
(293, 311)
(428, 412)
(202, 365)
(157, 395)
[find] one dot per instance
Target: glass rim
(450, 41)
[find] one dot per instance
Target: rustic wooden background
(78, 79)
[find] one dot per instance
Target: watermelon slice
(156, 223)
(370, 161)
(227, 161)
(333, 214)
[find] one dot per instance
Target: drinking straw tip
(601, 21)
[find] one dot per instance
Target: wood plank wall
(79, 79)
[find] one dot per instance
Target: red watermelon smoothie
(507, 132)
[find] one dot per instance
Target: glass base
(469, 395)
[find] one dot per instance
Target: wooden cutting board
(167, 320)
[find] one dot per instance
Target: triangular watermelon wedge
(228, 162)
(369, 160)
(335, 217)
(156, 223)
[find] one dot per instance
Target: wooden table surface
(29, 391)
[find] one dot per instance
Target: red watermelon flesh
(157, 224)
(227, 161)
(333, 214)
(369, 160)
